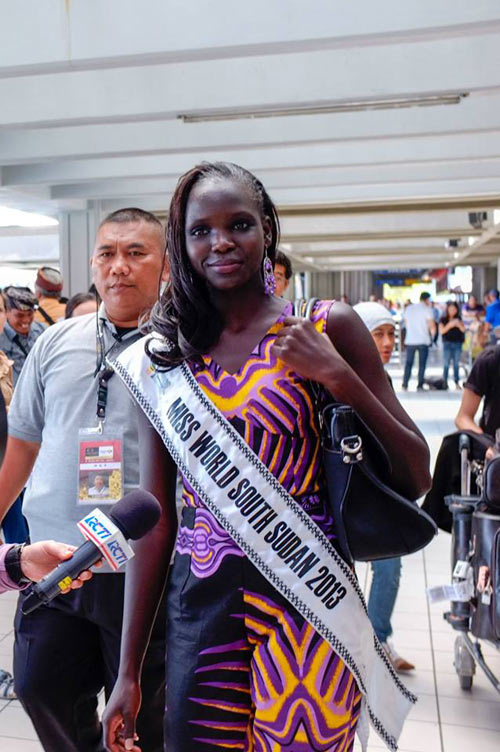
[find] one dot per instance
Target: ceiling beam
(310, 78)
(337, 237)
(361, 253)
(84, 33)
(426, 172)
(478, 115)
(397, 153)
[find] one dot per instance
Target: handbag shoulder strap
(303, 308)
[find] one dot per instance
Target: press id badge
(100, 468)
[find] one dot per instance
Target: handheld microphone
(130, 518)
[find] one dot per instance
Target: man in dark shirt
(483, 381)
(20, 332)
(18, 337)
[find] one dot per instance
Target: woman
(452, 331)
(245, 670)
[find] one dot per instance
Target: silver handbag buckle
(352, 449)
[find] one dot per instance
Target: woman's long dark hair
(447, 311)
(185, 315)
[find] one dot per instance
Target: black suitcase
(485, 621)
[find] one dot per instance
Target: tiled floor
(445, 719)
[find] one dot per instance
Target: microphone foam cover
(136, 514)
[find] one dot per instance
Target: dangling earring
(267, 270)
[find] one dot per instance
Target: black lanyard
(17, 340)
(104, 371)
(102, 393)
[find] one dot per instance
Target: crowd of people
(461, 330)
(247, 666)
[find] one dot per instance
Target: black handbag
(372, 521)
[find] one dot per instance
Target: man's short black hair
(131, 214)
(19, 298)
(425, 296)
(494, 294)
(283, 260)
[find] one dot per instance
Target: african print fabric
(244, 670)
(262, 680)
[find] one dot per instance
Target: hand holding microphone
(39, 559)
(130, 518)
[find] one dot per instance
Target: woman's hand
(120, 716)
(310, 354)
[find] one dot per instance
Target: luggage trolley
(475, 563)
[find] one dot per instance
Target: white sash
(281, 540)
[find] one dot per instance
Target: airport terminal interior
(375, 127)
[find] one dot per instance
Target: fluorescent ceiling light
(325, 109)
(18, 218)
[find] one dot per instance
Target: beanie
(373, 315)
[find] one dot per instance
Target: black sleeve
(483, 377)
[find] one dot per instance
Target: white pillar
(77, 231)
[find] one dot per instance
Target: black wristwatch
(13, 565)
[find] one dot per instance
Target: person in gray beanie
(386, 572)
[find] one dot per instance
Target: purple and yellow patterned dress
(244, 670)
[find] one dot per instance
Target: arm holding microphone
(20, 565)
(106, 538)
(144, 584)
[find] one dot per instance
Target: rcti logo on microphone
(108, 538)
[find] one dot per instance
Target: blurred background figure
(493, 314)
(386, 572)
(476, 329)
(80, 304)
(452, 331)
(5, 362)
(20, 331)
(472, 310)
(19, 335)
(420, 329)
(48, 288)
(282, 273)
